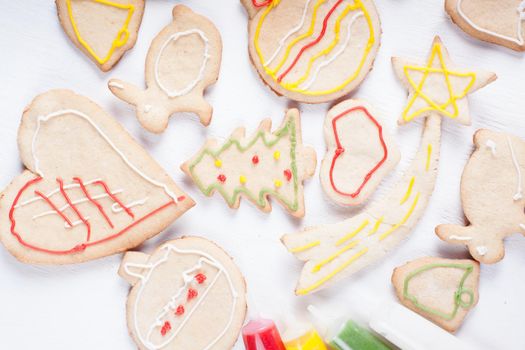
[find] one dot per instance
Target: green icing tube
(354, 337)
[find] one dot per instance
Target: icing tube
(302, 336)
(262, 334)
(409, 331)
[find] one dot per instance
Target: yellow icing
(353, 233)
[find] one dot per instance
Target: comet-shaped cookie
(437, 88)
(266, 164)
(492, 196)
(183, 60)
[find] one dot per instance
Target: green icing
(288, 129)
(458, 294)
(352, 336)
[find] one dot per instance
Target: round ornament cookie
(187, 295)
(103, 29)
(313, 51)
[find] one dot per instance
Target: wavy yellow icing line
(333, 273)
(429, 154)
(305, 247)
(325, 51)
(402, 222)
(409, 190)
(117, 42)
(353, 233)
(418, 88)
(347, 247)
(376, 226)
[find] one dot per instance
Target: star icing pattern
(418, 88)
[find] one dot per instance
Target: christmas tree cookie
(442, 290)
(266, 164)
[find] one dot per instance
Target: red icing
(80, 247)
(97, 204)
(287, 174)
(340, 150)
(312, 43)
(192, 294)
(52, 205)
(221, 178)
(106, 188)
(180, 310)
(200, 278)
(263, 332)
(255, 159)
(75, 209)
(261, 4)
(166, 327)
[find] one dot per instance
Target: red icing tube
(262, 334)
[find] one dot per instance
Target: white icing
(147, 108)
(77, 201)
(116, 85)
(492, 146)
(334, 57)
(55, 191)
(289, 34)
(522, 226)
(171, 304)
(519, 191)
(482, 250)
(75, 223)
(79, 114)
(521, 18)
(459, 238)
(116, 208)
(192, 84)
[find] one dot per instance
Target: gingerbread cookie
(266, 164)
(360, 153)
(188, 295)
(495, 21)
(89, 189)
(103, 29)
(335, 251)
(492, 196)
(313, 50)
(183, 60)
(442, 290)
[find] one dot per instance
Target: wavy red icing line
(312, 43)
(339, 150)
(112, 196)
(79, 247)
(92, 200)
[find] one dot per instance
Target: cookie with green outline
(441, 290)
(257, 167)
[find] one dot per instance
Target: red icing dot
(166, 327)
(192, 293)
(180, 310)
(221, 178)
(338, 151)
(288, 174)
(255, 159)
(200, 278)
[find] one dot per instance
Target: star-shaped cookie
(438, 85)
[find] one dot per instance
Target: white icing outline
(492, 146)
(289, 34)
(191, 85)
(337, 54)
(145, 278)
(521, 18)
(522, 226)
(482, 250)
(45, 118)
(116, 208)
(459, 238)
(116, 85)
(519, 191)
